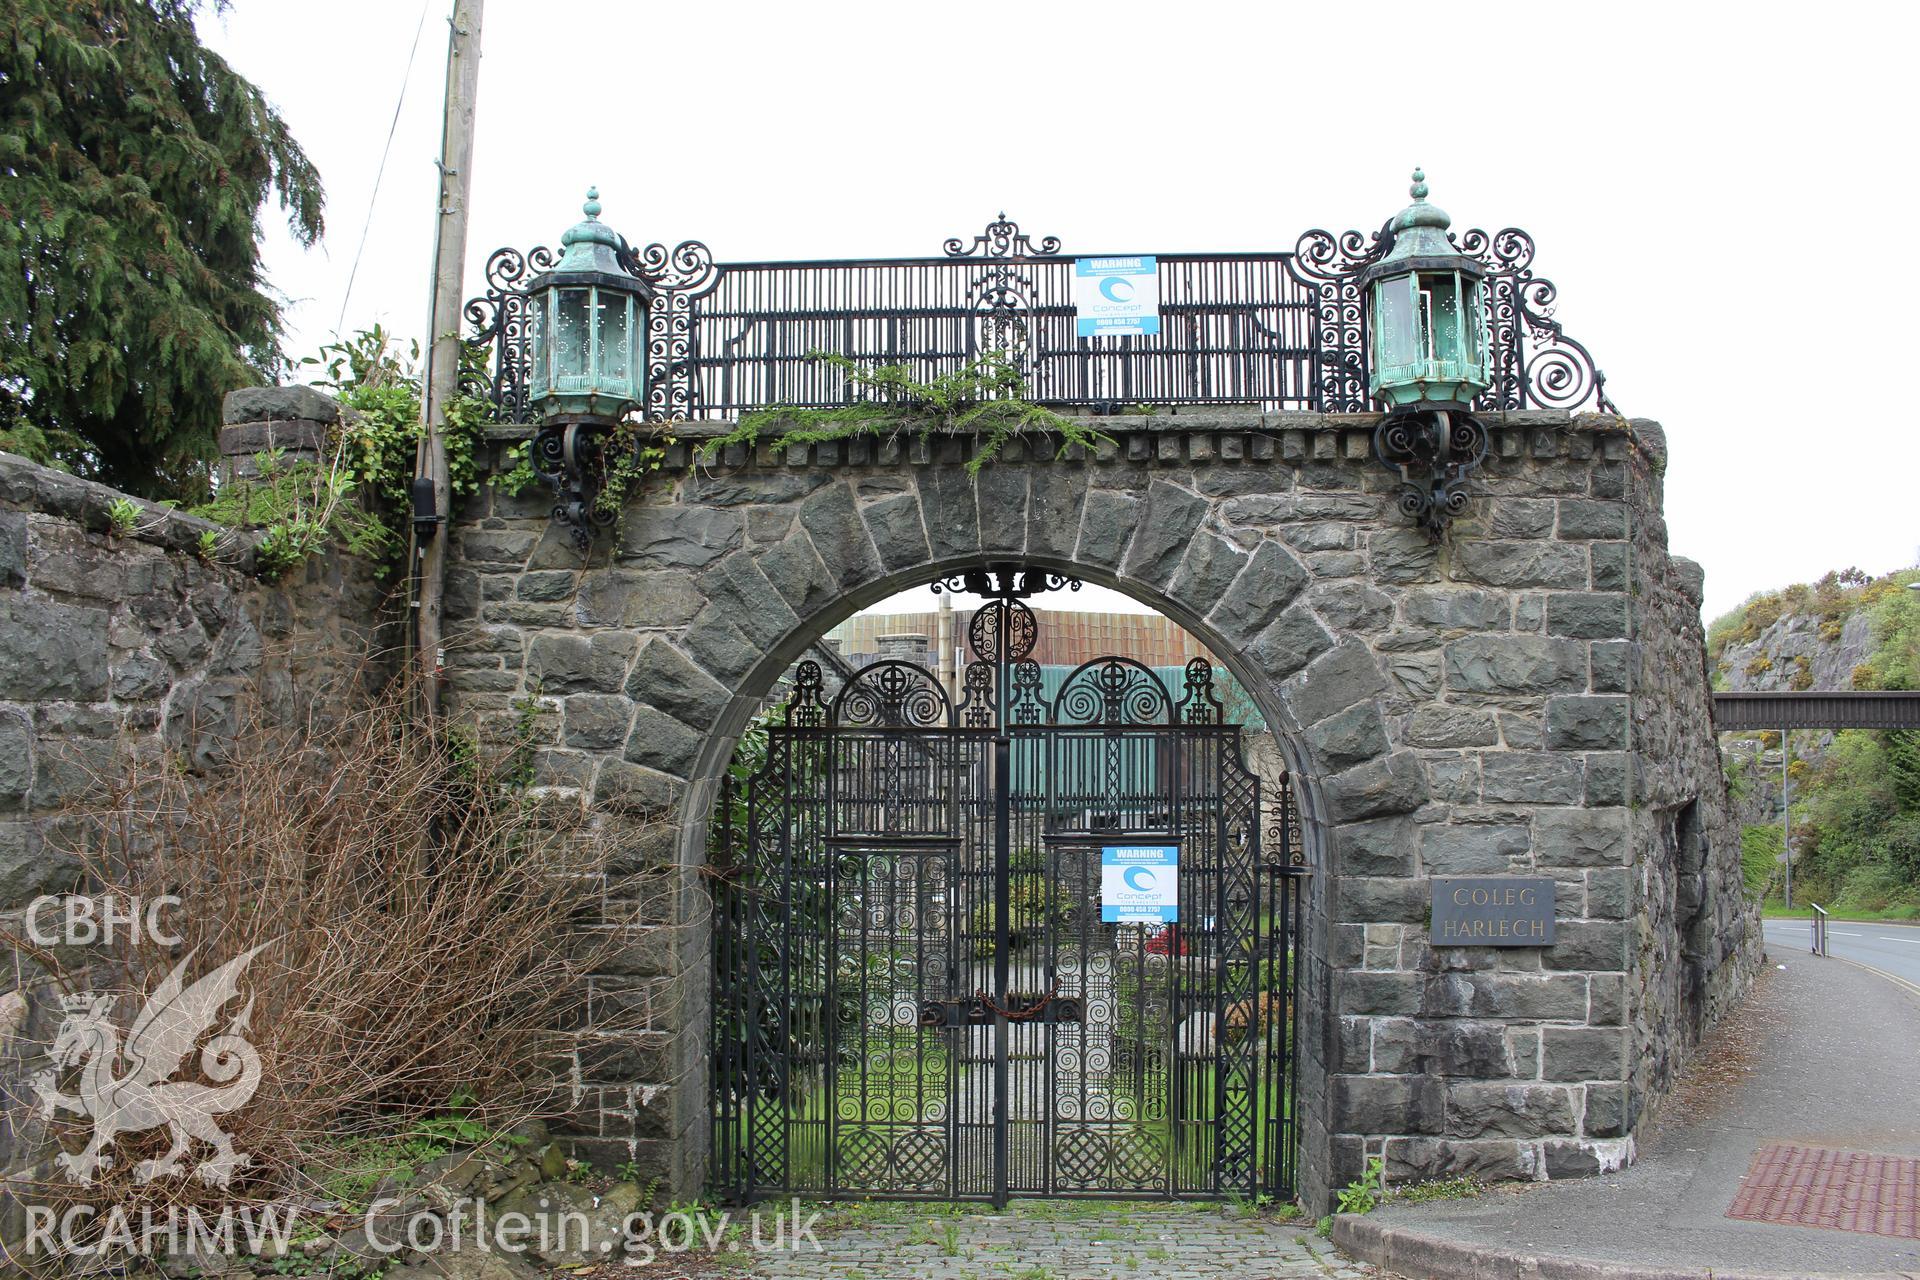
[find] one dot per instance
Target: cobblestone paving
(1053, 1240)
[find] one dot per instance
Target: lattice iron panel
(916, 995)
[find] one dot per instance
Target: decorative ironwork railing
(1283, 330)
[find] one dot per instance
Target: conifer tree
(134, 168)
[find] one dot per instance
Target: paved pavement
(1056, 1240)
(1891, 948)
(1823, 1054)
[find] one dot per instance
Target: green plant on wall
(357, 494)
(986, 395)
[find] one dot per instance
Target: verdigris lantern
(586, 324)
(1428, 319)
(1427, 349)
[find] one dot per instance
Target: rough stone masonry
(1530, 697)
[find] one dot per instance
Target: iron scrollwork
(1002, 239)
(1432, 451)
(1535, 364)
(498, 319)
(1006, 582)
(572, 457)
(678, 276)
(1329, 266)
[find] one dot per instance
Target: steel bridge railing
(1278, 330)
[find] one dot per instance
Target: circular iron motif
(983, 634)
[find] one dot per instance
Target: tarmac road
(1891, 948)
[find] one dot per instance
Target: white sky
(1720, 191)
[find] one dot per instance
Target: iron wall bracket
(1433, 450)
(572, 457)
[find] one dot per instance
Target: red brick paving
(1799, 1186)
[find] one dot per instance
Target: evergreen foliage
(134, 166)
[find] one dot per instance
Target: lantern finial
(589, 231)
(1419, 188)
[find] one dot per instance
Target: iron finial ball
(592, 207)
(1419, 188)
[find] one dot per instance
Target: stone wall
(117, 640)
(1528, 698)
(1697, 939)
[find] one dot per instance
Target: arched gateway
(1523, 700)
(1009, 945)
(1526, 699)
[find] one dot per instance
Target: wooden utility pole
(443, 339)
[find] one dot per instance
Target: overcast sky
(1722, 193)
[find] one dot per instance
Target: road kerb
(1911, 988)
(1420, 1255)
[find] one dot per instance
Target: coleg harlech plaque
(1492, 911)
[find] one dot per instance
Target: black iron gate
(915, 991)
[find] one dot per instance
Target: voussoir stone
(666, 678)
(1349, 737)
(1107, 524)
(951, 513)
(1334, 682)
(1268, 583)
(1391, 784)
(1056, 497)
(897, 532)
(1166, 527)
(840, 536)
(1210, 566)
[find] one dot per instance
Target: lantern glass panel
(1476, 326)
(1440, 308)
(616, 343)
(570, 336)
(1399, 331)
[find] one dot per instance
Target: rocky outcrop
(1799, 651)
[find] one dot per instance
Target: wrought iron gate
(915, 994)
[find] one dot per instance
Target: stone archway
(1477, 708)
(1272, 927)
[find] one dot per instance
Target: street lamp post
(1427, 349)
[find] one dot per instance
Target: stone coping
(1206, 435)
(1423, 1255)
(29, 486)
